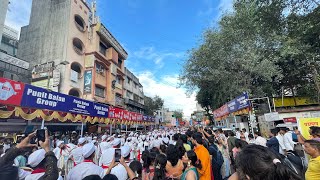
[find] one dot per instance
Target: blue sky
(156, 34)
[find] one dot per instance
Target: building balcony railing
(133, 103)
(119, 101)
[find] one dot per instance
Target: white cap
(36, 157)
(165, 140)
(104, 137)
(143, 137)
(59, 143)
(94, 141)
(81, 140)
(116, 142)
(157, 143)
(105, 145)
(88, 149)
(125, 151)
(107, 156)
(95, 137)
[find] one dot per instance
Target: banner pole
(81, 129)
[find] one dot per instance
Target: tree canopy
(261, 47)
(152, 104)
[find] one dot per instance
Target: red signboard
(222, 111)
(11, 92)
(290, 119)
(126, 115)
(115, 113)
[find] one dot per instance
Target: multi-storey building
(3, 12)
(134, 97)
(67, 33)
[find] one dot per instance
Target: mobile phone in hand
(117, 155)
(40, 134)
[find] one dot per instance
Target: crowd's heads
(81, 141)
(196, 138)
(240, 143)
(148, 159)
(315, 131)
(256, 162)
(125, 152)
(160, 166)
(257, 133)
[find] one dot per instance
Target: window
(102, 48)
(80, 23)
(135, 85)
(120, 63)
(76, 67)
(118, 79)
(78, 46)
(1, 73)
(99, 68)
(129, 80)
(99, 91)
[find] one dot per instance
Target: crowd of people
(193, 153)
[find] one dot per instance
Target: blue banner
(39, 98)
(239, 103)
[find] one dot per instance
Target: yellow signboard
(290, 101)
(305, 124)
(43, 83)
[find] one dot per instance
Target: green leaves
(259, 48)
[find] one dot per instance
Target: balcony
(133, 103)
(119, 101)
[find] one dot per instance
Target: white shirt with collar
(85, 169)
(282, 147)
(288, 142)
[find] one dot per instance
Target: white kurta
(76, 154)
(85, 169)
(37, 176)
(261, 141)
(281, 144)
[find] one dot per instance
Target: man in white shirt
(76, 154)
(105, 161)
(287, 139)
(245, 133)
(260, 140)
(87, 167)
(282, 147)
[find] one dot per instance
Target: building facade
(134, 97)
(3, 12)
(66, 38)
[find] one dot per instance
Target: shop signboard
(290, 119)
(11, 92)
(116, 113)
(88, 81)
(304, 125)
(39, 98)
(222, 111)
(239, 103)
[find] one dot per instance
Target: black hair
(163, 148)
(172, 154)
(175, 137)
(155, 150)
(211, 140)
(110, 177)
(257, 133)
(184, 138)
(244, 129)
(148, 159)
(315, 130)
(197, 138)
(160, 167)
(92, 177)
(189, 133)
(274, 131)
(257, 162)
(250, 135)
(181, 149)
(231, 133)
(194, 159)
(136, 167)
(220, 130)
(240, 143)
(313, 143)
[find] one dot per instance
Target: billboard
(239, 103)
(11, 92)
(39, 98)
(87, 81)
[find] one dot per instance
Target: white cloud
(174, 98)
(18, 14)
(158, 58)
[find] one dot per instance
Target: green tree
(152, 104)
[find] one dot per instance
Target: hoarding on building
(88, 81)
(11, 92)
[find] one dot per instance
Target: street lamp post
(48, 83)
